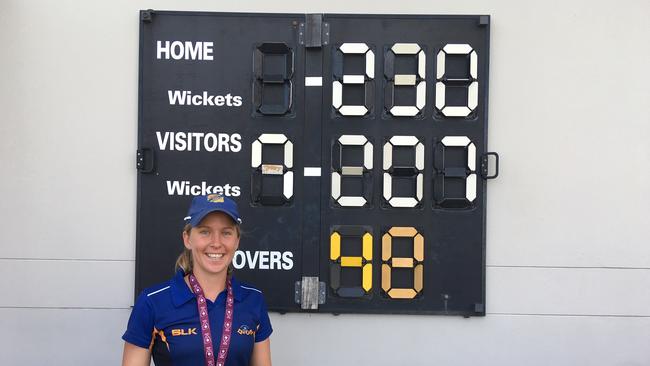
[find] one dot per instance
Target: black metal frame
(307, 221)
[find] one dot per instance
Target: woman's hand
(137, 356)
(262, 353)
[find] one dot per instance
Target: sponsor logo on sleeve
(245, 330)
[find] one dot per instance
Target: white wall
(568, 258)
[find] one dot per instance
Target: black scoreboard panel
(355, 146)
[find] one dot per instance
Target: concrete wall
(568, 273)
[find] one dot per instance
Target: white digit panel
(285, 169)
(442, 81)
(416, 171)
(446, 173)
(357, 171)
(416, 80)
(338, 85)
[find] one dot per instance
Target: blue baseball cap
(203, 205)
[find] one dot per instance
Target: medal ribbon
(205, 324)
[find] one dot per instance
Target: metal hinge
(310, 293)
(145, 160)
(484, 165)
(313, 32)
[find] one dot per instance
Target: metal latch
(145, 160)
(485, 166)
(310, 293)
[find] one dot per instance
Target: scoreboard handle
(145, 160)
(485, 165)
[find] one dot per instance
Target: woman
(181, 322)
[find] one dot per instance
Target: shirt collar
(181, 293)
(237, 291)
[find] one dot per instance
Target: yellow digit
(364, 262)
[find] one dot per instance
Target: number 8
(389, 262)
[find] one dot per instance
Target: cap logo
(216, 198)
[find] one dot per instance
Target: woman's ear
(237, 245)
(186, 239)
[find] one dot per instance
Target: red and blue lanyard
(205, 324)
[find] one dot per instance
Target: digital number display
(354, 145)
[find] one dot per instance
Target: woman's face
(213, 243)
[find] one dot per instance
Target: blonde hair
(184, 260)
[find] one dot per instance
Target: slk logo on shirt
(183, 332)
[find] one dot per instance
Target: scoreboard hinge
(145, 160)
(310, 293)
(313, 32)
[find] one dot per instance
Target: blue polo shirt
(165, 319)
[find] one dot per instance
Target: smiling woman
(185, 261)
(176, 322)
(211, 245)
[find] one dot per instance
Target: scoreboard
(354, 145)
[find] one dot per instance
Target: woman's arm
(262, 353)
(138, 356)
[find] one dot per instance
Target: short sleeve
(140, 327)
(264, 328)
